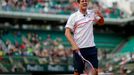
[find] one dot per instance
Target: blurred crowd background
(27, 50)
(109, 8)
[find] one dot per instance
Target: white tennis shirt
(82, 27)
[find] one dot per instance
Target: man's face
(83, 4)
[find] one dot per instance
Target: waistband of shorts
(88, 48)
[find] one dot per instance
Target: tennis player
(81, 24)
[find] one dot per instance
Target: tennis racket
(87, 64)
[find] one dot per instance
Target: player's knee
(95, 72)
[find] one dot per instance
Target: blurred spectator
(1, 53)
(23, 5)
(48, 43)
(7, 5)
(10, 47)
(23, 46)
(131, 6)
(0, 5)
(115, 11)
(107, 13)
(73, 5)
(97, 6)
(30, 2)
(2, 46)
(109, 67)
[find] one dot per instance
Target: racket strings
(86, 61)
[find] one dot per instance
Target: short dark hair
(78, 1)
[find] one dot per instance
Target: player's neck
(83, 11)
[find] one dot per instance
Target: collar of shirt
(81, 14)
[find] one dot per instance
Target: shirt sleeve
(70, 23)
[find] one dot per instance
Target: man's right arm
(70, 39)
